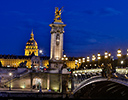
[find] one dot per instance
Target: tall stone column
(57, 30)
(56, 51)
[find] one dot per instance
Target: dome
(31, 46)
(31, 43)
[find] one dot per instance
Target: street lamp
(122, 62)
(83, 63)
(83, 60)
(127, 58)
(88, 60)
(64, 58)
(106, 59)
(98, 57)
(109, 57)
(76, 64)
(40, 51)
(106, 55)
(109, 54)
(93, 59)
(119, 55)
(127, 52)
(79, 62)
(10, 74)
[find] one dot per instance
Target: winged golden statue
(58, 14)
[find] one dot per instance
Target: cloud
(90, 12)
(103, 12)
(32, 23)
(82, 39)
(108, 12)
(92, 40)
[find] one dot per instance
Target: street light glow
(66, 58)
(64, 55)
(127, 52)
(10, 74)
(106, 54)
(40, 51)
(79, 60)
(93, 57)
(118, 53)
(122, 62)
(109, 54)
(76, 61)
(98, 56)
(88, 59)
(83, 59)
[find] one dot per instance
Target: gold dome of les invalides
(31, 46)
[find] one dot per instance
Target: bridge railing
(87, 81)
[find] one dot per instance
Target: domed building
(31, 46)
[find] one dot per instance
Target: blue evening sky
(92, 25)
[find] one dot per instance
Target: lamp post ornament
(58, 14)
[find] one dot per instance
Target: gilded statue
(58, 14)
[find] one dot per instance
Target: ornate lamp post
(106, 57)
(10, 74)
(99, 58)
(83, 61)
(79, 62)
(127, 58)
(64, 58)
(93, 59)
(88, 60)
(119, 56)
(109, 57)
(76, 66)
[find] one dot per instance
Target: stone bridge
(98, 87)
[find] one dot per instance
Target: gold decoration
(58, 14)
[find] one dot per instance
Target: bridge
(90, 84)
(87, 83)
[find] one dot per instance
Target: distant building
(31, 46)
(32, 57)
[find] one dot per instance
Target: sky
(92, 26)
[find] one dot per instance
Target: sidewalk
(21, 90)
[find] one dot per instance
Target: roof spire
(32, 35)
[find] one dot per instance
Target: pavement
(21, 90)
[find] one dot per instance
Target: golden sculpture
(58, 14)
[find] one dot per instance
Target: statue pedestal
(55, 64)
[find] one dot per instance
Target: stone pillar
(57, 30)
(48, 81)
